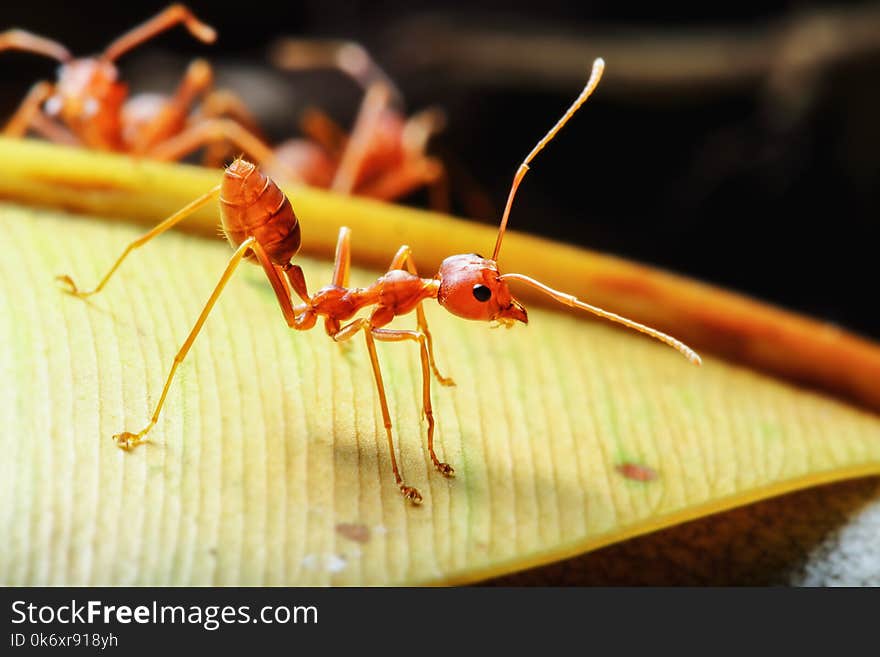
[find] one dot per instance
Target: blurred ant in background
(89, 106)
(384, 156)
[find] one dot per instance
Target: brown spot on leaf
(637, 472)
(354, 531)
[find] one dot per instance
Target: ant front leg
(171, 115)
(409, 176)
(53, 131)
(24, 116)
(71, 287)
(224, 104)
(164, 20)
(374, 104)
(30, 116)
(208, 131)
(402, 258)
(346, 333)
(389, 335)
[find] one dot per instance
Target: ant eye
(482, 293)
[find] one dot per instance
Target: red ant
(259, 222)
(384, 156)
(89, 106)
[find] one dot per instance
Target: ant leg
(226, 103)
(341, 268)
(223, 103)
(409, 176)
(165, 20)
(438, 187)
(342, 259)
(417, 170)
(53, 131)
(175, 218)
(127, 440)
(375, 102)
(348, 57)
(22, 40)
(323, 130)
(389, 335)
(30, 116)
(212, 130)
(171, 116)
(402, 258)
(420, 127)
(30, 107)
(346, 333)
(301, 321)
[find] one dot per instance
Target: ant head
(471, 287)
(86, 87)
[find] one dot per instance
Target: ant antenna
(598, 67)
(22, 40)
(562, 297)
(574, 302)
(173, 15)
(348, 57)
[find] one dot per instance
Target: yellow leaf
(269, 464)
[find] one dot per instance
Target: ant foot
(445, 381)
(69, 287)
(411, 494)
(128, 441)
(445, 469)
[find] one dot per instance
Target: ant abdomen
(252, 205)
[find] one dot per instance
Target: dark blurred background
(737, 142)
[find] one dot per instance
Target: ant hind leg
(23, 118)
(166, 19)
(349, 57)
(127, 440)
(71, 287)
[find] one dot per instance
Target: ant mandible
(259, 222)
(89, 106)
